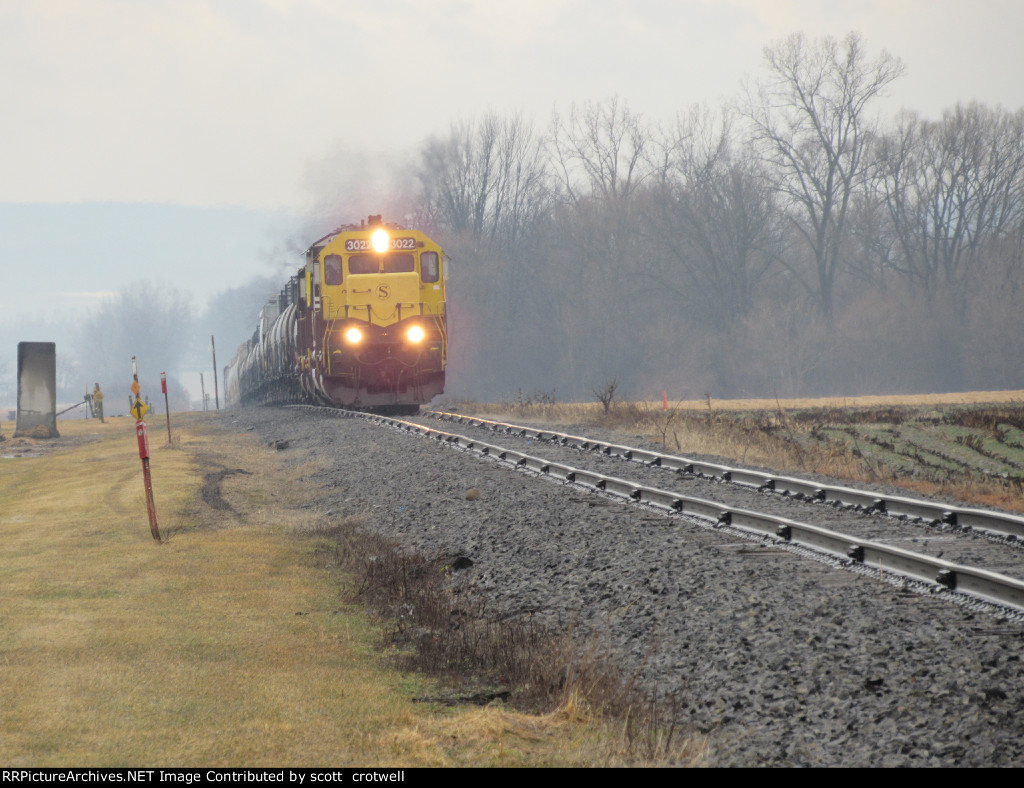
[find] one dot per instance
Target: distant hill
(58, 257)
(60, 262)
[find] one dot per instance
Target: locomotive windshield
(430, 267)
(332, 269)
(395, 263)
(399, 263)
(364, 264)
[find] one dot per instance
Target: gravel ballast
(779, 659)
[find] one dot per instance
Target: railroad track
(1011, 527)
(849, 547)
(779, 658)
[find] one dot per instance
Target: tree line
(787, 244)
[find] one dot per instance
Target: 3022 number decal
(364, 244)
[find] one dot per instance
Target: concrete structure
(37, 390)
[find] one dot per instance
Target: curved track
(847, 543)
(963, 518)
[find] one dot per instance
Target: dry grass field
(964, 446)
(231, 643)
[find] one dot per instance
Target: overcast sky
(241, 102)
(268, 122)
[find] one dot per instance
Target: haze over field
(179, 149)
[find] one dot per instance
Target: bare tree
(456, 174)
(599, 155)
(954, 189)
(809, 120)
(231, 315)
(601, 151)
(488, 179)
(605, 393)
(154, 323)
(714, 223)
(486, 192)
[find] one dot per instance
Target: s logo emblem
(383, 292)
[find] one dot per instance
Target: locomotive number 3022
(365, 245)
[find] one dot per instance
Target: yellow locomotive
(361, 325)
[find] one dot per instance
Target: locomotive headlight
(380, 239)
(415, 335)
(354, 336)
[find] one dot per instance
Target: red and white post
(139, 409)
(140, 431)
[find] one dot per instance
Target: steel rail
(896, 506)
(941, 575)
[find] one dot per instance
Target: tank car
(361, 325)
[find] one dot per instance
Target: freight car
(361, 325)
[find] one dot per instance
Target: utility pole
(216, 393)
